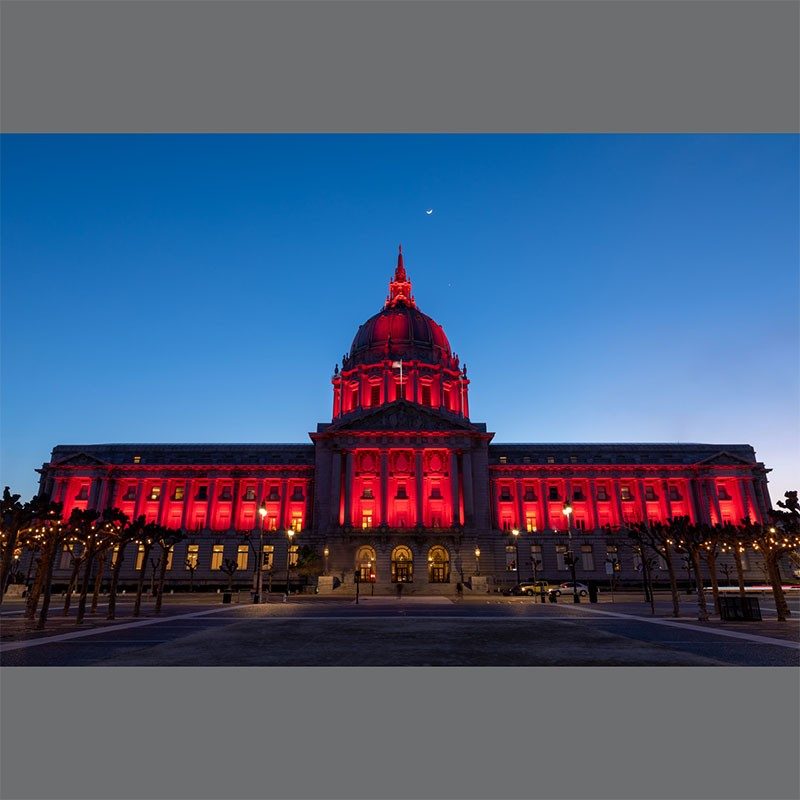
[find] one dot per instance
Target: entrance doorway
(438, 565)
(402, 565)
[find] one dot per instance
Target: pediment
(81, 460)
(724, 458)
(402, 416)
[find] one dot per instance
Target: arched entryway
(402, 565)
(366, 564)
(438, 565)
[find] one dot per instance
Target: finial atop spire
(400, 285)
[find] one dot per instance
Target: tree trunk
(48, 585)
(140, 585)
(161, 576)
(73, 580)
(98, 581)
(702, 609)
(38, 582)
(711, 561)
(112, 590)
(781, 606)
(647, 583)
(673, 583)
(737, 557)
(87, 576)
(8, 557)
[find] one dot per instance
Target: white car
(567, 588)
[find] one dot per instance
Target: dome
(400, 330)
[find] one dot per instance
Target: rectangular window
(674, 494)
(587, 558)
(551, 459)
(225, 493)
(530, 494)
(625, 493)
(436, 521)
(170, 554)
(179, 493)
(426, 395)
(552, 492)
(155, 492)
(573, 459)
(139, 557)
(130, 493)
(297, 523)
(511, 558)
(66, 558)
(536, 556)
(272, 523)
(506, 524)
(650, 493)
(375, 396)
(722, 493)
(202, 493)
(242, 553)
(577, 494)
(602, 494)
(114, 555)
(273, 493)
(505, 493)
(354, 397)
(561, 551)
(580, 523)
(250, 493)
(83, 493)
(366, 521)
(530, 523)
(192, 556)
(294, 551)
(297, 493)
(503, 459)
(745, 561)
(266, 557)
(217, 552)
(137, 459)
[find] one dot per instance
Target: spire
(400, 285)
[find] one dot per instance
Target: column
(469, 502)
(711, 485)
(211, 505)
(94, 493)
(743, 499)
(642, 501)
(163, 503)
(420, 487)
(414, 385)
(185, 512)
(336, 486)
(348, 489)
(763, 498)
(283, 522)
(666, 503)
(518, 486)
(617, 501)
(386, 373)
(384, 515)
(138, 506)
(700, 507)
(593, 500)
(237, 503)
(755, 513)
(545, 504)
(454, 488)
(690, 493)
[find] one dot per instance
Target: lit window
(217, 552)
(587, 558)
(297, 523)
(192, 556)
(551, 459)
(66, 557)
(625, 493)
(155, 492)
(536, 556)
(170, 554)
(242, 553)
(367, 494)
(179, 492)
(530, 523)
(249, 493)
(504, 459)
(139, 558)
(294, 552)
(114, 555)
(366, 521)
(266, 557)
(272, 523)
(511, 558)
(137, 459)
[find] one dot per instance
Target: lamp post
(567, 511)
(262, 512)
(515, 534)
(289, 535)
(326, 552)
(371, 580)
(477, 561)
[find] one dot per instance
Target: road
(384, 631)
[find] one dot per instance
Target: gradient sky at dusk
(201, 288)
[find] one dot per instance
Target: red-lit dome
(400, 330)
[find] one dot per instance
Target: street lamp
(478, 560)
(326, 552)
(515, 534)
(567, 511)
(289, 534)
(262, 512)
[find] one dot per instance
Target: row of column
(342, 487)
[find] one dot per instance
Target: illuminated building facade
(401, 486)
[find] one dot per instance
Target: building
(401, 486)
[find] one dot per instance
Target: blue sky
(201, 288)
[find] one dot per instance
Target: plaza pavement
(414, 631)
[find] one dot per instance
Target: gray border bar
(397, 65)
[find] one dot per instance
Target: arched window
(365, 564)
(402, 565)
(438, 565)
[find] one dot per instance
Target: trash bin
(592, 592)
(226, 597)
(739, 609)
(553, 597)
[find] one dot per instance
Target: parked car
(567, 588)
(530, 588)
